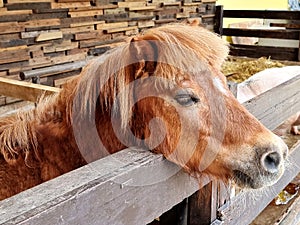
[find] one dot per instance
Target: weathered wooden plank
(232, 212)
(141, 8)
(143, 24)
(16, 12)
(68, 58)
(11, 27)
(40, 62)
(104, 39)
(68, 5)
(91, 8)
(14, 54)
(12, 43)
(286, 25)
(74, 30)
(140, 14)
(49, 36)
(65, 45)
(86, 13)
(52, 70)
(272, 111)
(28, 5)
(112, 190)
(255, 51)
(279, 34)
(131, 4)
(24, 90)
(41, 23)
(114, 30)
(86, 23)
(27, 1)
(163, 21)
(112, 25)
(263, 14)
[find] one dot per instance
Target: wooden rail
(289, 30)
(135, 186)
(24, 90)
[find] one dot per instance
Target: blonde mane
(168, 48)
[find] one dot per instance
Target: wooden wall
(42, 33)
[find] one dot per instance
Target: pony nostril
(271, 162)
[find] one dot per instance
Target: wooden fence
(135, 186)
(290, 20)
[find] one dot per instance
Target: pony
(163, 91)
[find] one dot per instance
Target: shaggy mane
(171, 47)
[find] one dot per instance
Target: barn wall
(41, 33)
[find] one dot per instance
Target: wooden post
(203, 205)
(218, 26)
(299, 48)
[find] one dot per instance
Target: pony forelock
(106, 77)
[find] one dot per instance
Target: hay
(240, 69)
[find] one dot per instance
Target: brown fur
(58, 136)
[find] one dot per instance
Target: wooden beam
(276, 105)
(263, 14)
(132, 176)
(49, 36)
(119, 189)
(279, 34)
(24, 90)
(257, 51)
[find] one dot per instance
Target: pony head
(163, 90)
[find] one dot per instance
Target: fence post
(203, 205)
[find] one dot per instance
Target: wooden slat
(286, 25)
(262, 14)
(114, 30)
(11, 27)
(112, 190)
(41, 23)
(14, 54)
(141, 8)
(121, 172)
(255, 51)
(86, 13)
(279, 34)
(49, 36)
(272, 111)
(24, 90)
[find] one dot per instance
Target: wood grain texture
(23, 90)
(112, 190)
(276, 105)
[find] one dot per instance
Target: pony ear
(144, 49)
(145, 53)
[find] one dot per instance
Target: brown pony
(163, 91)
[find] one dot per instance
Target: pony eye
(186, 99)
